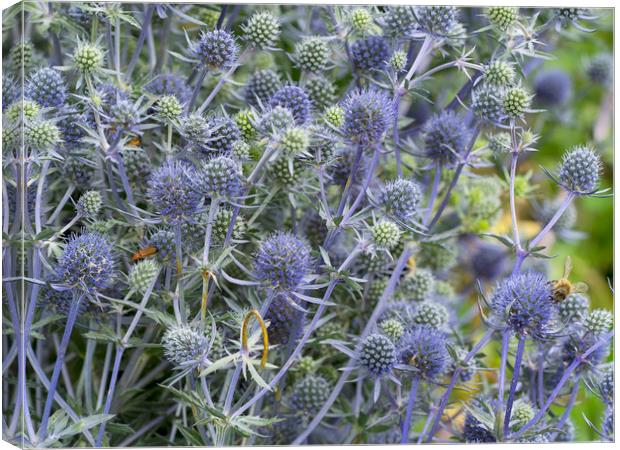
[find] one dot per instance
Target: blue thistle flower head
(422, 350)
(185, 346)
(174, 192)
(295, 99)
(487, 102)
(221, 177)
(310, 393)
(125, 115)
(475, 432)
(195, 129)
(59, 302)
(71, 128)
(223, 133)
(368, 114)
(216, 49)
(523, 302)
(285, 319)
(399, 21)
(580, 170)
(11, 90)
(436, 21)
(377, 355)
(47, 87)
(578, 343)
(400, 198)
(489, 261)
(282, 261)
(446, 137)
(87, 262)
(261, 86)
(164, 241)
(169, 84)
(371, 53)
(600, 69)
(552, 87)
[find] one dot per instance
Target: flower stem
(387, 293)
(146, 24)
(434, 191)
(513, 209)
(427, 45)
(213, 207)
(540, 376)
(120, 348)
(567, 410)
(455, 178)
(362, 192)
(502, 369)
(565, 204)
(565, 377)
(60, 359)
(40, 373)
(513, 383)
(446, 395)
(220, 84)
(406, 424)
(349, 184)
(201, 78)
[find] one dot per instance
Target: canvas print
(246, 224)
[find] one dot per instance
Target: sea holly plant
(235, 225)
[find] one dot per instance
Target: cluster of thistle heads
(340, 176)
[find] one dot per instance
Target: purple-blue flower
(446, 137)
(423, 351)
(368, 114)
(371, 53)
(282, 261)
(87, 262)
(174, 191)
(295, 99)
(216, 49)
(285, 319)
(523, 303)
(221, 177)
(47, 87)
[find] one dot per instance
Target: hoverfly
(144, 252)
(562, 288)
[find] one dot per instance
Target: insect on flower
(144, 252)
(562, 288)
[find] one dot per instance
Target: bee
(144, 252)
(562, 288)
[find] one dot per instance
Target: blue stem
(146, 24)
(108, 402)
(406, 425)
(541, 375)
(502, 369)
(513, 383)
(446, 395)
(565, 377)
(60, 359)
(455, 178)
(567, 410)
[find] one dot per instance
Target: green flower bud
(88, 58)
(89, 204)
(142, 274)
(385, 234)
(168, 108)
